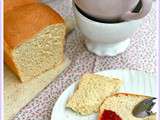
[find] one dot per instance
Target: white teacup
(105, 39)
(114, 9)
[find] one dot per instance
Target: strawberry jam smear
(109, 115)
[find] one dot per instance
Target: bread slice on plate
(34, 40)
(91, 92)
(121, 106)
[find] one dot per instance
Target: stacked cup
(108, 24)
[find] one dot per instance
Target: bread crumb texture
(41, 53)
(91, 92)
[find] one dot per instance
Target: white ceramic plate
(134, 82)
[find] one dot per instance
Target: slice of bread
(122, 104)
(91, 92)
(152, 117)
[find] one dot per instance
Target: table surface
(141, 55)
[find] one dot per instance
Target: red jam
(109, 115)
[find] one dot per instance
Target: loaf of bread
(91, 92)
(122, 105)
(12, 4)
(33, 40)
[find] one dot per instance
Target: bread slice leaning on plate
(91, 92)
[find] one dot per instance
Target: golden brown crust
(23, 22)
(8, 58)
(11, 4)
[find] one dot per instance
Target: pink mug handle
(146, 7)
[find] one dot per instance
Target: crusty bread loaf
(91, 92)
(12, 4)
(123, 104)
(34, 40)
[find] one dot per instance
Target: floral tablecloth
(140, 55)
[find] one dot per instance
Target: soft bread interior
(123, 105)
(151, 117)
(91, 92)
(41, 53)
